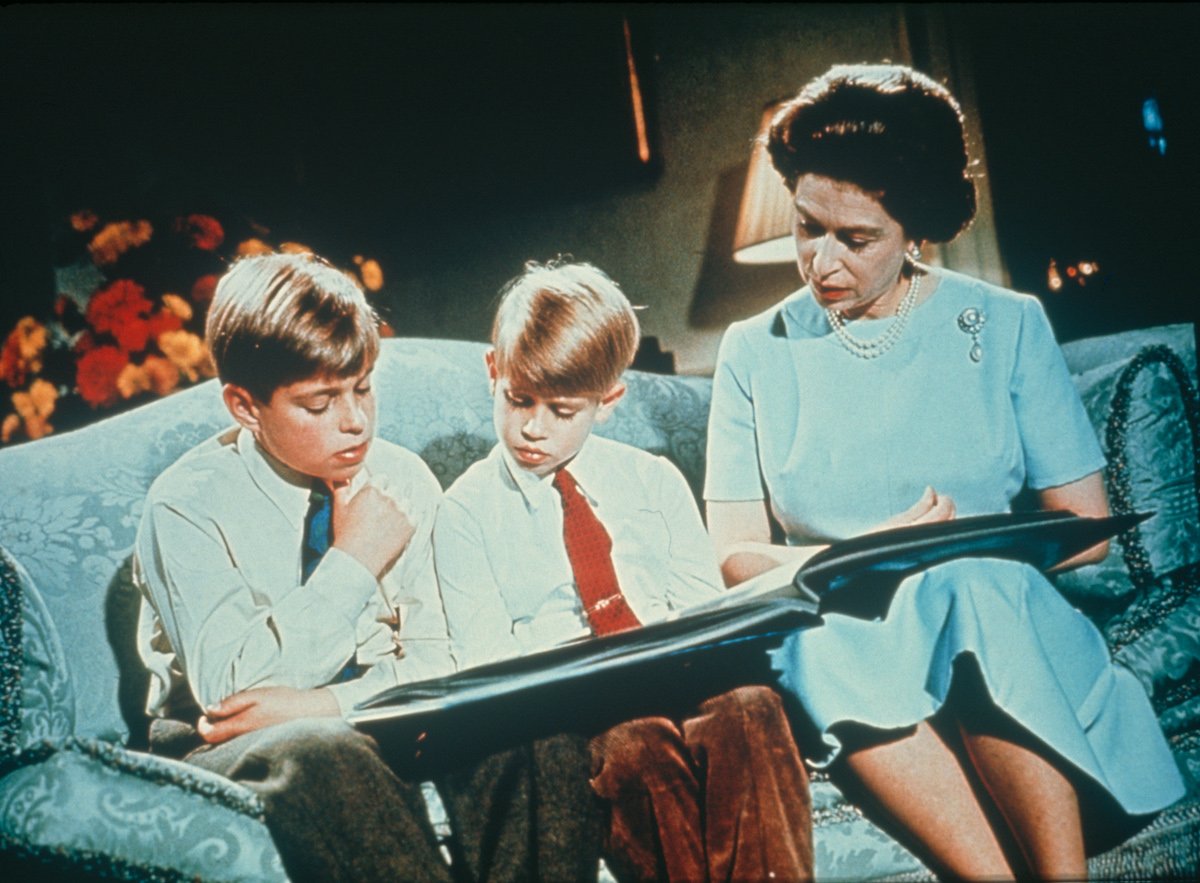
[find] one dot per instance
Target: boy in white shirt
(287, 574)
(558, 535)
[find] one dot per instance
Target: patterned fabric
(99, 808)
(589, 549)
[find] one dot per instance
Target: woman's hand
(930, 508)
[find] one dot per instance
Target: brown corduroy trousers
(719, 794)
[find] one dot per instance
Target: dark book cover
(713, 646)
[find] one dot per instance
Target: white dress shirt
(506, 581)
(218, 561)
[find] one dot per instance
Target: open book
(719, 641)
(859, 575)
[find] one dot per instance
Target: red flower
(121, 309)
(163, 320)
(204, 289)
(206, 233)
(12, 367)
(96, 375)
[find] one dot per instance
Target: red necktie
(589, 549)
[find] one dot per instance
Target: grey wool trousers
(338, 810)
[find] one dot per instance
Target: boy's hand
(254, 709)
(371, 525)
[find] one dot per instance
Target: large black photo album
(710, 647)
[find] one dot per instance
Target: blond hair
(564, 329)
(280, 318)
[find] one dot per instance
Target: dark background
(391, 130)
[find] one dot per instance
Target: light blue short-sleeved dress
(836, 444)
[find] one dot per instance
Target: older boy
(558, 534)
(287, 574)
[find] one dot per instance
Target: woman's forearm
(746, 560)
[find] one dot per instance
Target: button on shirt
(223, 610)
(506, 581)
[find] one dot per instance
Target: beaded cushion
(37, 702)
(1145, 409)
(1146, 594)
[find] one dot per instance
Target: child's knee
(752, 703)
(624, 753)
(321, 740)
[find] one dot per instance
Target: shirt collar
(285, 487)
(537, 491)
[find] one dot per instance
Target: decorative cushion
(1146, 411)
(69, 509)
(96, 808)
(37, 702)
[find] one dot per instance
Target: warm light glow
(1053, 279)
(1077, 273)
(764, 226)
(635, 90)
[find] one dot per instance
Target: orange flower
(163, 375)
(35, 406)
(9, 427)
(121, 309)
(188, 353)
(205, 232)
(96, 374)
(115, 239)
(83, 220)
(372, 275)
(177, 306)
(22, 351)
(204, 289)
(253, 246)
(294, 248)
(131, 381)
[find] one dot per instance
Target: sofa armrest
(91, 807)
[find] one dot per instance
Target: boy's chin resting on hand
(263, 707)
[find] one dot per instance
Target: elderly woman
(884, 393)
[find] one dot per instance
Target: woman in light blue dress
(980, 709)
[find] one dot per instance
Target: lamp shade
(764, 226)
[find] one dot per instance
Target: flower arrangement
(127, 323)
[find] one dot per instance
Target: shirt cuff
(344, 584)
(350, 693)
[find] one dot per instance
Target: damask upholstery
(76, 793)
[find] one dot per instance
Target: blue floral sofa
(79, 798)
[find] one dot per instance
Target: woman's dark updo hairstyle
(889, 130)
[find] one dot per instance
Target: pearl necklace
(876, 347)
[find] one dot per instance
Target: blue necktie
(316, 532)
(317, 537)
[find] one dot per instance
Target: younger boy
(287, 574)
(558, 534)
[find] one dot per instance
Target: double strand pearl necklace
(876, 347)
